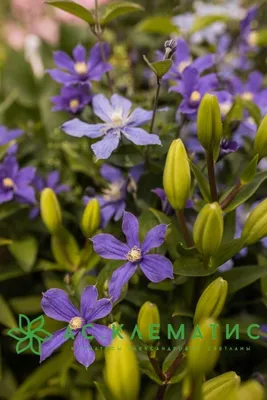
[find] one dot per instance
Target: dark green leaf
(6, 316)
(74, 9)
(25, 252)
(157, 24)
(192, 266)
(250, 171)
(240, 277)
(115, 10)
(226, 252)
(161, 67)
(202, 182)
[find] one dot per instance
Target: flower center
(74, 104)
(247, 96)
(253, 38)
(112, 192)
(8, 183)
(117, 117)
(225, 107)
(81, 68)
(195, 96)
(76, 323)
(183, 65)
(134, 254)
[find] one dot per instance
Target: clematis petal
(102, 107)
(83, 352)
(107, 145)
(6, 196)
(53, 179)
(190, 78)
(62, 77)
(77, 128)
(154, 238)
(79, 53)
(53, 343)
(119, 278)
(25, 194)
(119, 102)
(101, 333)
(100, 309)
(88, 299)
(140, 137)
(63, 60)
(56, 304)
(204, 62)
(130, 228)
(156, 267)
(107, 246)
(111, 174)
(107, 212)
(25, 176)
(139, 117)
(119, 210)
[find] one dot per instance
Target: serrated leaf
(73, 8)
(202, 182)
(115, 10)
(157, 24)
(25, 252)
(250, 171)
(240, 277)
(161, 67)
(204, 21)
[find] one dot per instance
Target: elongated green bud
(91, 218)
(209, 124)
(50, 210)
(176, 176)
(251, 390)
(65, 249)
(260, 141)
(221, 387)
(256, 225)
(203, 347)
(208, 229)
(148, 316)
(122, 374)
(211, 301)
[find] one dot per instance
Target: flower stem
(155, 106)
(184, 228)
(161, 392)
(156, 367)
(211, 174)
(231, 195)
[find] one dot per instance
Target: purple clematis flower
(56, 304)
(51, 181)
(7, 136)
(155, 266)
(72, 99)
(227, 147)
(165, 205)
(113, 199)
(182, 59)
(193, 87)
(248, 35)
(118, 120)
(80, 68)
(15, 183)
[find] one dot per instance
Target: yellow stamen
(8, 183)
(247, 96)
(195, 96)
(253, 38)
(76, 323)
(134, 254)
(74, 104)
(117, 117)
(81, 68)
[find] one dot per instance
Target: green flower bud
(91, 218)
(148, 315)
(256, 225)
(221, 387)
(203, 347)
(209, 124)
(260, 141)
(251, 390)
(122, 374)
(208, 229)
(211, 301)
(176, 176)
(50, 210)
(65, 249)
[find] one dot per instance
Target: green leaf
(247, 191)
(6, 316)
(202, 182)
(207, 20)
(3, 150)
(226, 252)
(166, 286)
(161, 67)
(118, 9)
(240, 277)
(253, 110)
(103, 391)
(149, 64)
(229, 227)
(25, 252)
(192, 266)
(181, 371)
(235, 114)
(157, 24)
(26, 304)
(4, 242)
(74, 9)
(262, 37)
(8, 209)
(65, 249)
(146, 368)
(250, 171)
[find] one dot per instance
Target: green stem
(211, 174)
(155, 106)
(184, 228)
(161, 392)
(231, 195)
(156, 367)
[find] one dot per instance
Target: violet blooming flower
(80, 68)
(227, 147)
(248, 35)
(113, 199)
(193, 87)
(165, 205)
(155, 266)
(72, 99)
(7, 136)
(118, 121)
(51, 181)
(15, 183)
(56, 304)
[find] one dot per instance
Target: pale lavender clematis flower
(154, 266)
(7, 136)
(118, 121)
(72, 99)
(80, 68)
(51, 181)
(56, 304)
(193, 87)
(15, 183)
